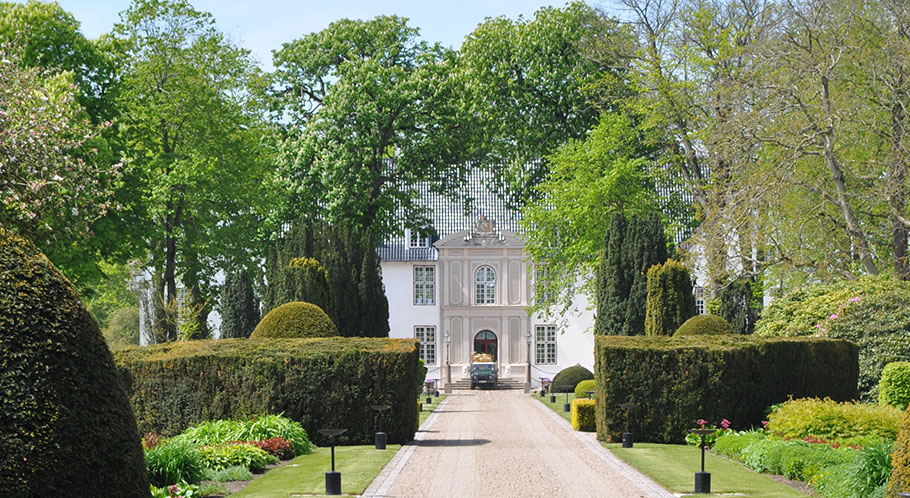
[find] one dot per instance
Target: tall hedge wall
(321, 383)
(677, 380)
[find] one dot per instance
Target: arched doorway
(485, 342)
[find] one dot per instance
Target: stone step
(502, 384)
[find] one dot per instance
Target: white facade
(481, 287)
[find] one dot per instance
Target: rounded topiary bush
(566, 380)
(894, 387)
(704, 325)
(581, 387)
(295, 320)
(66, 426)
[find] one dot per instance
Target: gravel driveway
(505, 444)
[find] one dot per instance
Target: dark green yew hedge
(321, 383)
(678, 380)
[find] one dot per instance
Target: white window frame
(545, 344)
(424, 288)
(541, 277)
(485, 289)
(426, 334)
(700, 303)
(417, 239)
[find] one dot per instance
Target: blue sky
(263, 25)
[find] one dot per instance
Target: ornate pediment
(484, 232)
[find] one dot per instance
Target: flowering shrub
(849, 424)
(276, 446)
(695, 439)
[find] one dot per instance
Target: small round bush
(894, 386)
(581, 387)
(704, 325)
(295, 320)
(566, 380)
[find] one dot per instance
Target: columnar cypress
(239, 306)
(670, 299)
(375, 306)
(736, 306)
(632, 245)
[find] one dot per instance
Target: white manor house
(468, 288)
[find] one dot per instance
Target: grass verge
(426, 410)
(673, 466)
(558, 405)
(305, 475)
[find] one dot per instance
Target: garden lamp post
(627, 436)
(702, 479)
(332, 479)
(567, 407)
(380, 436)
(448, 341)
(429, 394)
(528, 366)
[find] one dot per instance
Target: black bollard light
(702, 479)
(553, 398)
(332, 479)
(627, 436)
(590, 394)
(429, 398)
(380, 436)
(567, 407)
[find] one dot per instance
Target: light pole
(528, 366)
(448, 340)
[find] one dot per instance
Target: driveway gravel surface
(506, 444)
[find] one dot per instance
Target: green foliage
(113, 292)
(297, 319)
(894, 387)
(65, 420)
(870, 311)
(632, 245)
(235, 473)
(223, 456)
(239, 306)
(174, 461)
(368, 91)
(704, 325)
(257, 429)
(567, 378)
(738, 306)
(900, 460)
(124, 327)
(733, 444)
(844, 423)
(583, 415)
(794, 459)
(581, 387)
(677, 380)
(316, 382)
(670, 300)
(360, 304)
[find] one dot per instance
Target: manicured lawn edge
(673, 466)
(426, 409)
(558, 406)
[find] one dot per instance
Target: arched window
(484, 285)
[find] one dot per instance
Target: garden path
(505, 444)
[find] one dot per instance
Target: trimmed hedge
(894, 386)
(900, 460)
(321, 383)
(704, 325)
(585, 385)
(567, 378)
(65, 423)
(677, 380)
(583, 415)
(295, 320)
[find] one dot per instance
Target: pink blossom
(834, 316)
(725, 423)
(702, 422)
(854, 299)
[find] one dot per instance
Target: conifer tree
(239, 306)
(670, 299)
(632, 245)
(737, 307)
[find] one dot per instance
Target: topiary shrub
(670, 299)
(585, 385)
(295, 320)
(900, 460)
(583, 415)
(894, 387)
(566, 380)
(66, 426)
(704, 325)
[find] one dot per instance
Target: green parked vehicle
(483, 374)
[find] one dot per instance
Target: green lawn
(305, 475)
(674, 467)
(558, 406)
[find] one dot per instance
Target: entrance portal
(485, 342)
